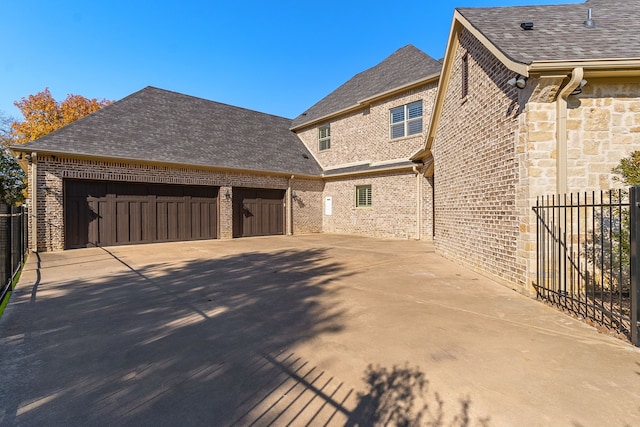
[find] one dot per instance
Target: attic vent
(589, 23)
(527, 26)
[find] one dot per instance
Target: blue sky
(278, 56)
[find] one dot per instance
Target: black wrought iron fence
(584, 257)
(13, 244)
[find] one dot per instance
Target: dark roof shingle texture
(559, 33)
(162, 126)
(404, 66)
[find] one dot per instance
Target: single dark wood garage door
(258, 212)
(118, 213)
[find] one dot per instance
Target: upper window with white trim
(324, 137)
(405, 120)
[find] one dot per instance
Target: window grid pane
(324, 137)
(397, 130)
(405, 120)
(397, 115)
(415, 126)
(414, 110)
(363, 196)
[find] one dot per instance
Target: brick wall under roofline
(363, 135)
(307, 206)
(53, 170)
(393, 213)
(477, 168)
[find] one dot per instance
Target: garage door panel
(99, 213)
(99, 230)
(172, 221)
(122, 222)
(146, 225)
(162, 221)
(257, 212)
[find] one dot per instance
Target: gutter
(606, 67)
(366, 172)
(368, 101)
(561, 129)
(133, 160)
(418, 201)
(33, 209)
(290, 207)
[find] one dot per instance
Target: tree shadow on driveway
(401, 396)
(178, 344)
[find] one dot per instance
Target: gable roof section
(559, 33)
(404, 67)
(167, 127)
(558, 43)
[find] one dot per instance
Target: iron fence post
(634, 258)
(9, 243)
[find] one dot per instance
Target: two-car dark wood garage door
(100, 213)
(105, 213)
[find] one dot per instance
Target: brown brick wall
(476, 167)
(393, 213)
(364, 135)
(307, 206)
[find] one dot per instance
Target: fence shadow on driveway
(161, 345)
(196, 342)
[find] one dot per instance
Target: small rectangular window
(405, 120)
(324, 137)
(363, 196)
(465, 76)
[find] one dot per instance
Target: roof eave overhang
(513, 65)
(368, 101)
(623, 67)
(400, 168)
(443, 84)
(133, 160)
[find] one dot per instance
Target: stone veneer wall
(53, 170)
(477, 219)
(603, 126)
(393, 213)
(364, 135)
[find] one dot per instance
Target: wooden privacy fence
(13, 244)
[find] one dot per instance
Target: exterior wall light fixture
(578, 90)
(227, 195)
(518, 82)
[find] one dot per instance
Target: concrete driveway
(303, 330)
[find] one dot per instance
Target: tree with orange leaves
(43, 114)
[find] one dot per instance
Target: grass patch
(5, 301)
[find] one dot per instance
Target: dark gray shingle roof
(559, 33)
(404, 66)
(162, 126)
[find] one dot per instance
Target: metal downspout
(561, 129)
(418, 202)
(290, 208)
(33, 209)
